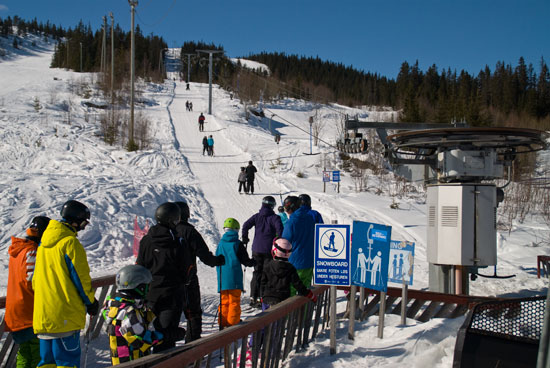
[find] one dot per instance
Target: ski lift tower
(462, 204)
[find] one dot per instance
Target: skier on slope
(250, 175)
(198, 248)
(300, 231)
(161, 252)
(201, 122)
(267, 226)
(306, 202)
(20, 295)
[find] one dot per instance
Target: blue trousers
(61, 352)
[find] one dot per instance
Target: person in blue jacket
(230, 275)
(267, 226)
(282, 214)
(299, 230)
(306, 202)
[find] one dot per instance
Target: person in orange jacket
(20, 295)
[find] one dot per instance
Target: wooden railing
(272, 335)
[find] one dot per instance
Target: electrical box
(462, 224)
(457, 164)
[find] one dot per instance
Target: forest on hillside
(149, 49)
(507, 95)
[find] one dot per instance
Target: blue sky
(370, 35)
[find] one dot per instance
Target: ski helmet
(231, 223)
(168, 214)
(281, 209)
(281, 248)
(306, 200)
(184, 210)
(75, 212)
(291, 203)
(270, 201)
(37, 227)
(133, 280)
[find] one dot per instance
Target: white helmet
(281, 248)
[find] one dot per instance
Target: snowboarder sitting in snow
(230, 275)
(129, 322)
(20, 298)
(279, 274)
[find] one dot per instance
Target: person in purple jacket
(267, 226)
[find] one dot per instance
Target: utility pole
(112, 58)
(112, 69)
(131, 144)
(210, 53)
(103, 46)
(189, 66)
(81, 57)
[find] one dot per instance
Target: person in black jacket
(279, 274)
(161, 252)
(197, 248)
(250, 175)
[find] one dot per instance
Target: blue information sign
(332, 255)
(336, 176)
(401, 262)
(370, 254)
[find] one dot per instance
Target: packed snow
(52, 150)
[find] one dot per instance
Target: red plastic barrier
(138, 234)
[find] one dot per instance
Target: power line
(161, 18)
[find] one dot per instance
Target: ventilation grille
(431, 216)
(449, 216)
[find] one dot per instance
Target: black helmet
(133, 280)
(184, 210)
(75, 212)
(291, 204)
(270, 201)
(281, 209)
(306, 200)
(37, 227)
(168, 214)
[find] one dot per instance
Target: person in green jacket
(62, 286)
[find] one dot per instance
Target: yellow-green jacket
(61, 282)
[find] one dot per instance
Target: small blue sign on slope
(332, 255)
(370, 253)
(401, 262)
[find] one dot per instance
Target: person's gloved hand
(220, 260)
(245, 240)
(180, 334)
(312, 297)
(93, 308)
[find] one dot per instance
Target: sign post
(332, 265)
(369, 260)
(401, 270)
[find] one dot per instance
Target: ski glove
(312, 296)
(245, 240)
(175, 334)
(93, 308)
(220, 260)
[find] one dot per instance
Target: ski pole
(87, 341)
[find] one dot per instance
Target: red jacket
(20, 295)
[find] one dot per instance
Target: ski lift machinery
(462, 204)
